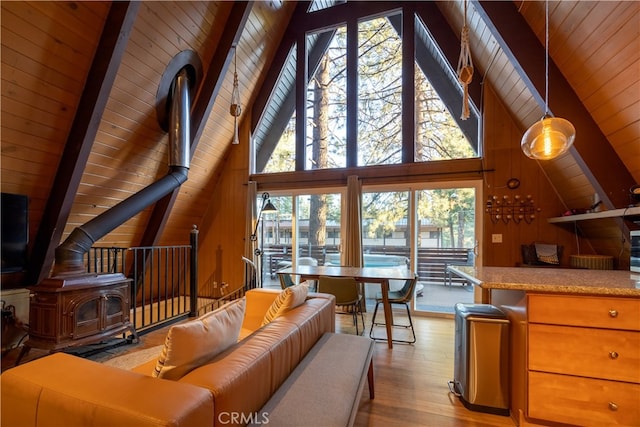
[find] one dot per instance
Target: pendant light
(551, 136)
(235, 109)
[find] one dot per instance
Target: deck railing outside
(431, 262)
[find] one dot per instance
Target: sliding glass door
(426, 228)
(445, 237)
(304, 230)
(422, 227)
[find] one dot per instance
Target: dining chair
(402, 296)
(285, 280)
(346, 291)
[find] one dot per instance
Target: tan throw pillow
(547, 253)
(289, 298)
(191, 344)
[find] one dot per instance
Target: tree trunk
(318, 203)
(460, 229)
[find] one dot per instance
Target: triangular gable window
(438, 134)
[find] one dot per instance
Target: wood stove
(77, 310)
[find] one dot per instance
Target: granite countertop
(554, 280)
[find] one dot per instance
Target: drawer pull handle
(613, 355)
(613, 313)
(613, 406)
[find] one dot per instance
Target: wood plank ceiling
(51, 59)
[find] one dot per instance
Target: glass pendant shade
(549, 138)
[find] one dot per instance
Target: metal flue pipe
(69, 256)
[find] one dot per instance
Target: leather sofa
(230, 389)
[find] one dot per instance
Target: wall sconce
(516, 210)
(267, 207)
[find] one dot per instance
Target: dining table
(360, 274)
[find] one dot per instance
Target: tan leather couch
(60, 389)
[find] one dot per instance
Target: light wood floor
(410, 380)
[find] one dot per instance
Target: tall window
(304, 230)
(379, 93)
(379, 80)
(438, 136)
(327, 100)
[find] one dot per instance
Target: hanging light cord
(546, 61)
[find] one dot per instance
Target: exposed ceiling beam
(340, 14)
(99, 82)
(201, 109)
(591, 149)
(275, 68)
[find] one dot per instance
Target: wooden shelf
(626, 212)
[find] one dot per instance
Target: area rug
(131, 360)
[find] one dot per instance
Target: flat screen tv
(15, 231)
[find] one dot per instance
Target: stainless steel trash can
(481, 365)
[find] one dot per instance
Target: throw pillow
(289, 298)
(191, 344)
(547, 254)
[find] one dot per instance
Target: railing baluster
(160, 275)
(193, 271)
(134, 293)
(166, 280)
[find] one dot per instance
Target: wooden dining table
(360, 274)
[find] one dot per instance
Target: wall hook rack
(514, 209)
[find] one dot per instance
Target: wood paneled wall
(222, 236)
(47, 51)
(504, 156)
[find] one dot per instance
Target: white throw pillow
(289, 298)
(191, 344)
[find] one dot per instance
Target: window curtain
(352, 253)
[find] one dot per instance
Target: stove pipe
(69, 256)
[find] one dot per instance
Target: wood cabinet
(583, 359)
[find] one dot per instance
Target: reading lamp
(267, 207)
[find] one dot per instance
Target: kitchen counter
(561, 322)
(553, 280)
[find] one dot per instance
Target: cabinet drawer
(588, 352)
(597, 312)
(582, 401)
